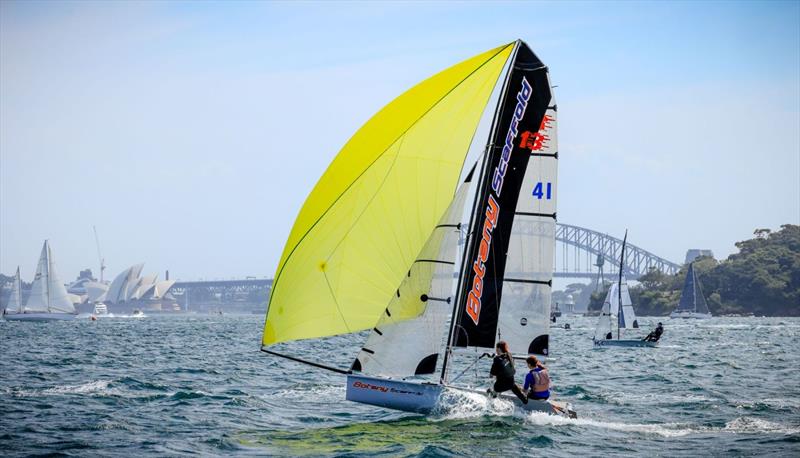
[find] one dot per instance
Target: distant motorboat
(48, 301)
(692, 303)
(138, 314)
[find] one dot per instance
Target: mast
(47, 274)
(619, 282)
(100, 256)
(474, 217)
(15, 299)
(694, 290)
(18, 286)
(462, 275)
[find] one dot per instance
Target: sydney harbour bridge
(580, 253)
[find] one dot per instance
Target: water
(193, 384)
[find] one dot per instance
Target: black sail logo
(522, 109)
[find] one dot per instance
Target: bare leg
(516, 389)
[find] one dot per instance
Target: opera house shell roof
(129, 286)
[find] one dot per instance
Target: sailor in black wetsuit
(656, 334)
(503, 371)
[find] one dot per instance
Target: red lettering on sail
(536, 141)
(474, 299)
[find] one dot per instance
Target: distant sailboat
(375, 245)
(49, 300)
(617, 314)
(692, 303)
(15, 299)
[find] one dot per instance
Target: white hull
(43, 316)
(424, 398)
(690, 315)
(630, 343)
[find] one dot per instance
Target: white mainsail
(628, 314)
(525, 305)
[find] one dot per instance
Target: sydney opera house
(131, 291)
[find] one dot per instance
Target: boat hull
(424, 398)
(393, 394)
(690, 315)
(629, 343)
(39, 316)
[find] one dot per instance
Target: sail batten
(369, 215)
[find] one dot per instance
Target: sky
(190, 134)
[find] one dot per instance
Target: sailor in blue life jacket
(503, 371)
(537, 382)
(655, 335)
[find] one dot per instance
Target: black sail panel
(522, 107)
(687, 302)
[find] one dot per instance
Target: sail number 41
(540, 192)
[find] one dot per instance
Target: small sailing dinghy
(617, 314)
(375, 246)
(692, 303)
(49, 300)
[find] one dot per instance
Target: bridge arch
(592, 244)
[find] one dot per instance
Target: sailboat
(49, 300)
(15, 299)
(617, 314)
(692, 303)
(376, 244)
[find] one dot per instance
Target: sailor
(609, 336)
(537, 382)
(503, 371)
(655, 334)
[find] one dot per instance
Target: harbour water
(197, 384)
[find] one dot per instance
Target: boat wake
(663, 430)
(460, 405)
(753, 425)
(99, 387)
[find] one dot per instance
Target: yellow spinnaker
(370, 214)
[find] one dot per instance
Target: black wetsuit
(655, 335)
(503, 370)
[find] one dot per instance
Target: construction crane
(99, 256)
